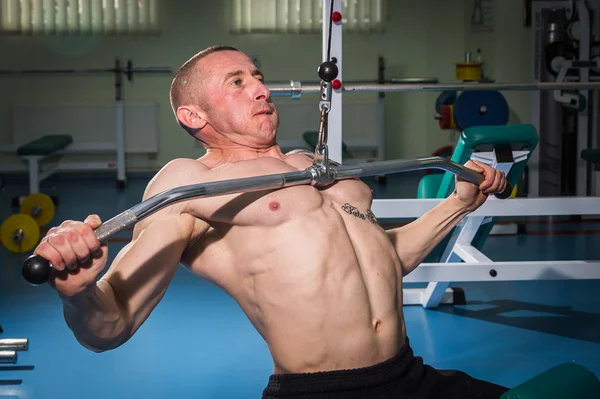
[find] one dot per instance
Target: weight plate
(480, 108)
(40, 207)
(445, 98)
(19, 233)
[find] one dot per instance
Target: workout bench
(41, 156)
(39, 150)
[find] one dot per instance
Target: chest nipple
(274, 206)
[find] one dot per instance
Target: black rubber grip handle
(36, 270)
(506, 193)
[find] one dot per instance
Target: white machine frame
(461, 261)
(41, 167)
(464, 263)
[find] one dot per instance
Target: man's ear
(192, 117)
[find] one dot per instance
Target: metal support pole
(286, 90)
(334, 140)
(583, 169)
(120, 126)
(34, 174)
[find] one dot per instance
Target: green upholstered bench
(567, 380)
(37, 151)
(45, 145)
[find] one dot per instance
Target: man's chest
(272, 207)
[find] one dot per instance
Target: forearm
(416, 240)
(96, 318)
(108, 313)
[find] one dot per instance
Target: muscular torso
(311, 268)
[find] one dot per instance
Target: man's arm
(414, 241)
(107, 313)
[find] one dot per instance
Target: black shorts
(404, 377)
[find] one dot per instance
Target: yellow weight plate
(40, 207)
(19, 233)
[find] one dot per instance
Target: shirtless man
(322, 286)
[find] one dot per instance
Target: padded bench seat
(45, 145)
(567, 380)
(35, 152)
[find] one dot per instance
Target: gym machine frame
(462, 262)
(36, 175)
(558, 23)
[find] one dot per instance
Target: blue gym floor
(197, 343)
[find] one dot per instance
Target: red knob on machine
(336, 16)
(336, 84)
(445, 119)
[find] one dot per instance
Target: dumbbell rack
(9, 347)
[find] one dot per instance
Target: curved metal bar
(407, 165)
(142, 210)
(314, 175)
(37, 270)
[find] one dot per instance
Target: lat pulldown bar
(36, 270)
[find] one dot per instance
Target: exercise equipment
(505, 147)
(444, 110)
(296, 88)
(40, 207)
(8, 357)
(37, 152)
(480, 108)
(592, 157)
(468, 71)
(11, 382)
(21, 232)
(17, 368)
(36, 270)
(460, 110)
(565, 51)
(57, 144)
(16, 344)
(567, 380)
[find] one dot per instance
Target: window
(78, 17)
(300, 16)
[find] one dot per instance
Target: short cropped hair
(184, 88)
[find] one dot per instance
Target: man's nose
(262, 92)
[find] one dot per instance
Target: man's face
(237, 103)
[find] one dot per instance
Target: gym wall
(422, 38)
